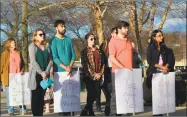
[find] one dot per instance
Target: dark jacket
(136, 59)
(87, 61)
(153, 58)
(171, 60)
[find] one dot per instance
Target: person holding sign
(62, 51)
(11, 62)
(40, 65)
(120, 53)
(93, 62)
(159, 57)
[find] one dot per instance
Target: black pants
(37, 100)
(106, 88)
(91, 93)
(113, 97)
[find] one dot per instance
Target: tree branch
(142, 11)
(102, 14)
(165, 14)
(6, 32)
(91, 5)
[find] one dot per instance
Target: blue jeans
(11, 108)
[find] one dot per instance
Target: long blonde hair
(44, 42)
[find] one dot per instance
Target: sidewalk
(180, 111)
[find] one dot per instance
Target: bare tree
(96, 9)
(11, 19)
(137, 20)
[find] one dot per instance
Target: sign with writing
(129, 91)
(163, 93)
(19, 94)
(66, 92)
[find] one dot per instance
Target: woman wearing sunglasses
(92, 60)
(40, 65)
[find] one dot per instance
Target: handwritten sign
(129, 91)
(66, 92)
(18, 92)
(163, 93)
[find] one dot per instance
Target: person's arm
(2, 65)
(32, 56)
(149, 57)
(73, 58)
(171, 59)
(84, 61)
(22, 63)
(50, 63)
(55, 55)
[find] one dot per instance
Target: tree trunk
(99, 25)
(25, 32)
(153, 12)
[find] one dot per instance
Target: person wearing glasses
(93, 62)
(62, 51)
(159, 57)
(40, 65)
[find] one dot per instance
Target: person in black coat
(136, 57)
(159, 57)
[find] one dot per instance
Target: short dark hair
(113, 29)
(57, 22)
(121, 24)
(87, 35)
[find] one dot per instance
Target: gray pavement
(180, 111)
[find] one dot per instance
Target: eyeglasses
(91, 39)
(160, 36)
(43, 34)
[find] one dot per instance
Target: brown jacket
(5, 57)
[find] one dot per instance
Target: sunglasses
(160, 36)
(91, 39)
(43, 34)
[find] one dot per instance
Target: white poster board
(66, 92)
(18, 92)
(163, 93)
(129, 91)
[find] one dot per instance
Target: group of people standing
(99, 64)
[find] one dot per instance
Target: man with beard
(120, 53)
(62, 51)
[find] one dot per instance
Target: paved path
(180, 111)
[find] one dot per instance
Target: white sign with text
(19, 94)
(129, 91)
(66, 92)
(163, 93)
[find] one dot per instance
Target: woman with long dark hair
(159, 57)
(92, 60)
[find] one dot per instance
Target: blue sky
(172, 24)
